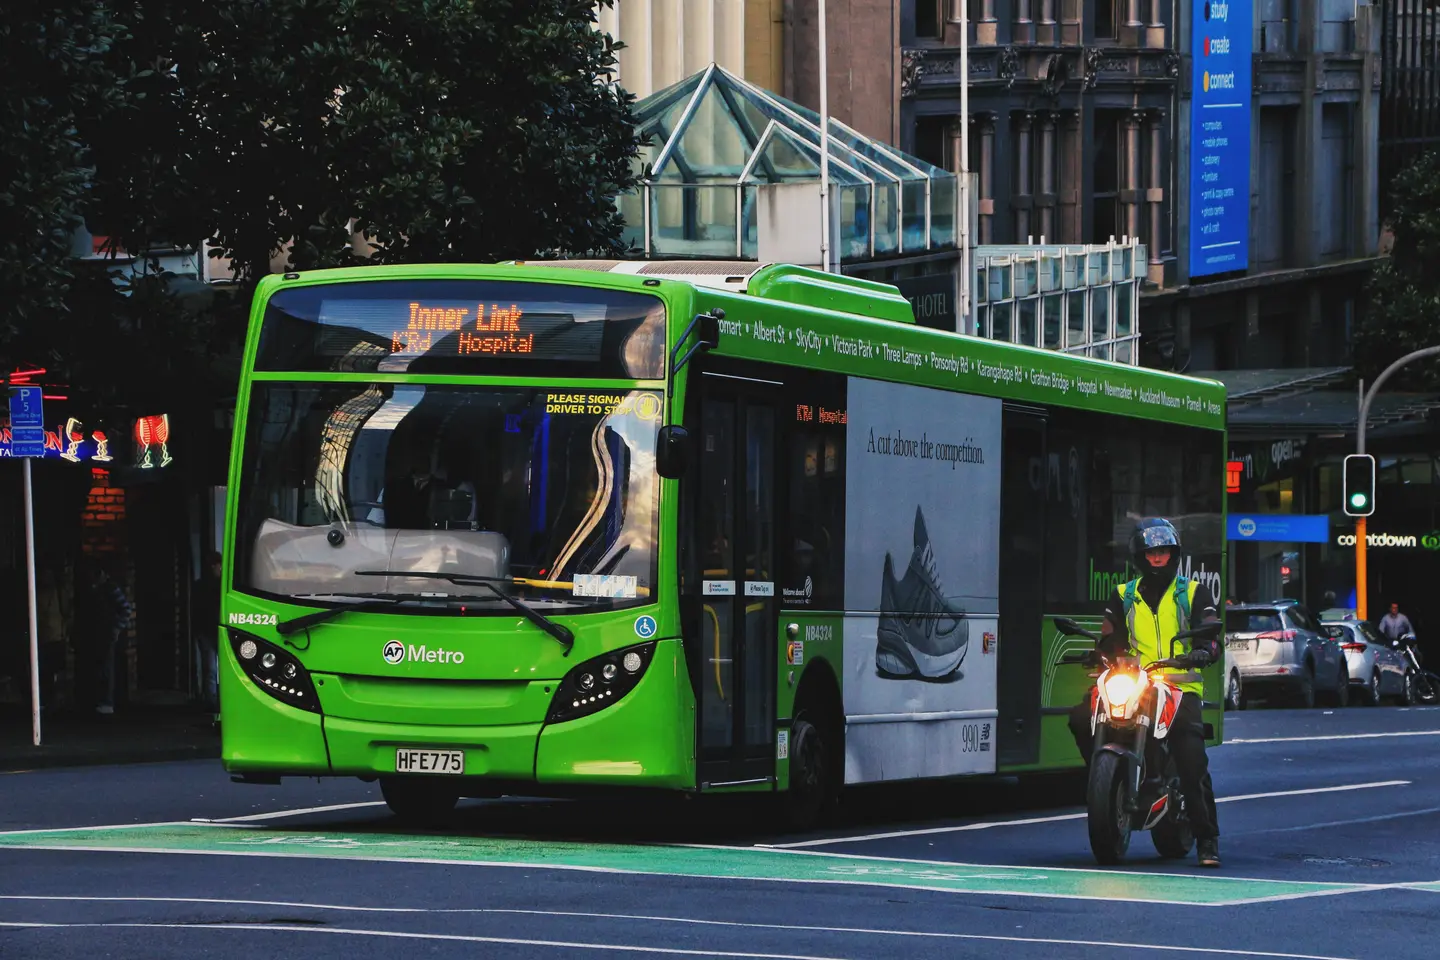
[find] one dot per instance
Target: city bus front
(442, 546)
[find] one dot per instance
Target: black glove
(1199, 659)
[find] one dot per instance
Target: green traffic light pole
(1361, 584)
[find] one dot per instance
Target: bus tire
(420, 803)
(814, 779)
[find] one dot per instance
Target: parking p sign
(27, 422)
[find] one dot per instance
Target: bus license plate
(430, 761)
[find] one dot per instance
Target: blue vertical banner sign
(1221, 41)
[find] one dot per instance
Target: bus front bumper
(644, 739)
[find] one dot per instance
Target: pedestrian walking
(113, 616)
(206, 624)
(1395, 624)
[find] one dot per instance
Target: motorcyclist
(1145, 614)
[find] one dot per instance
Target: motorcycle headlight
(1120, 688)
(596, 683)
(274, 670)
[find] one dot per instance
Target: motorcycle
(1422, 685)
(1134, 784)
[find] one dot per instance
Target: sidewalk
(135, 735)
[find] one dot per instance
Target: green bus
(546, 528)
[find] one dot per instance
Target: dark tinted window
(1253, 621)
(813, 552)
(464, 326)
(1104, 473)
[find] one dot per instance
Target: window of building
(1276, 188)
(929, 19)
(1337, 177)
(1105, 177)
(1278, 22)
(1106, 18)
(932, 140)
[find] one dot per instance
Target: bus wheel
(814, 784)
(420, 803)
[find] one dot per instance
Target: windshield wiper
(371, 602)
(560, 632)
(295, 624)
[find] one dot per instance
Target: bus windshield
(552, 492)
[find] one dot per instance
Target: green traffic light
(1357, 500)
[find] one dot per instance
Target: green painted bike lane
(703, 862)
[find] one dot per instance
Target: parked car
(1281, 647)
(1234, 693)
(1377, 670)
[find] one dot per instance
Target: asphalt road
(1331, 823)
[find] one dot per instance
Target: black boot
(1207, 852)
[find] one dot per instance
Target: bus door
(1022, 583)
(735, 543)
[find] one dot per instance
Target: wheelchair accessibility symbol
(645, 627)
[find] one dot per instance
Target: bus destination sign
(451, 328)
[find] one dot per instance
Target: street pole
(1361, 584)
(824, 147)
(34, 620)
(967, 273)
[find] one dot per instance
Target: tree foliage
(440, 130)
(53, 69)
(1403, 312)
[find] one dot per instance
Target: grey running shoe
(920, 633)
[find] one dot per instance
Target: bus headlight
(274, 670)
(596, 683)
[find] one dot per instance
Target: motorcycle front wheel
(1109, 822)
(1173, 837)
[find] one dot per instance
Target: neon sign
(74, 442)
(152, 432)
(70, 442)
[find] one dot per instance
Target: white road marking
(676, 951)
(1345, 823)
(407, 935)
(281, 814)
(926, 832)
(1336, 736)
(988, 824)
(1299, 793)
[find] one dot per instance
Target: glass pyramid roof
(712, 139)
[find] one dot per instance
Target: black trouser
(1187, 746)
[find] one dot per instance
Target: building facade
(1309, 169)
(1071, 115)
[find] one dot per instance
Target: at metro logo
(396, 652)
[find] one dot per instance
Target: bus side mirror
(672, 451)
(709, 332)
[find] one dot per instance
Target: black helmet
(1150, 533)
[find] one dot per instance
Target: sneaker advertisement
(921, 554)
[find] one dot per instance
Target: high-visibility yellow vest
(1152, 630)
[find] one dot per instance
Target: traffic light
(1359, 485)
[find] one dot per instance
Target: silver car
(1376, 671)
(1281, 647)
